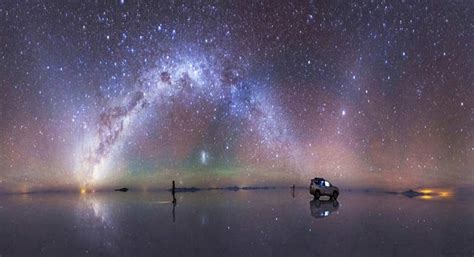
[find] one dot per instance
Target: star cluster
(371, 94)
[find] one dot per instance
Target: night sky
(212, 93)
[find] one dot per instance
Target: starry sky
(217, 93)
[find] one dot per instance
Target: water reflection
(243, 223)
(174, 207)
(322, 209)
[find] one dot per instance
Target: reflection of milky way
(231, 93)
(95, 216)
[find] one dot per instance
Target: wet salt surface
(242, 223)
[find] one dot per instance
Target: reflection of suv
(322, 209)
(320, 186)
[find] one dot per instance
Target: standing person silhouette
(173, 191)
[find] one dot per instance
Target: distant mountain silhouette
(227, 188)
(232, 188)
(412, 193)
(258, 188)
(185, 189)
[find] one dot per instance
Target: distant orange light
(426, 191)
(444, 194)
(83, 191)
(435, 193)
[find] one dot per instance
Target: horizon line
(222, 188)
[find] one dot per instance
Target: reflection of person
(173, 212)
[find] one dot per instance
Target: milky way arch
(190, 76)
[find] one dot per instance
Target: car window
(327, 184)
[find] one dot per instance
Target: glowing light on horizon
(204, 157)
(436, 193)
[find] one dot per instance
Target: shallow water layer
(226, 223)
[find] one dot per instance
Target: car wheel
(317, 194)
(335, 194)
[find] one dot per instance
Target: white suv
(320, 186)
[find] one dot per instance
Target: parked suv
(320, 187)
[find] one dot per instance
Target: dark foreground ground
(242, 223)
